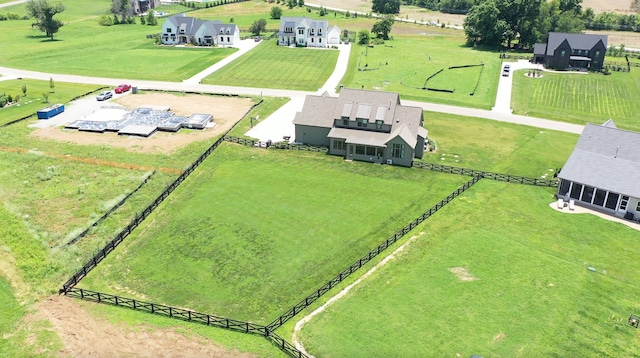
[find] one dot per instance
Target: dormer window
(168, 30)
(379, 124)
(362, 122)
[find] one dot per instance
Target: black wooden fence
(186, 315)
(487, 175)
(368, 257)
(276, 145)
(109, 212)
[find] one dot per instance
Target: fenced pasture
(479, 284)
(405, 63)
(272, 66)
(34, 101)
(494, 146)
(579, 98)
(120, 51)
(258, 235)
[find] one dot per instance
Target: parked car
(505, 70)
(123, 88)
(103, 96)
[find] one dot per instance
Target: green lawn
(533, 294)
(121, 51)
(405, 63)
(494, 146)
(254, 231)
(580, 98)
(272, 66)
(34, 100)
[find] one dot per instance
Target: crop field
(477, 283)
(405, 63)
(497, 147)
(579, 98)
(272, 66)
(34, 100)
(254, 231)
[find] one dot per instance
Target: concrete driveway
(503, 96)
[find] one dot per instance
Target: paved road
(18, 2)
(279, 124)
(503, 96)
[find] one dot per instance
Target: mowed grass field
(83, 47)
(530, 293)
(254, 231)
(496, 147)
(34, 100)
(579, 98)
(405, 63)
(272, 66)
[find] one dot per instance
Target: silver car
(103, 96)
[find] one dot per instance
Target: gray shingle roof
(405, 121)
(576, 41)
(539, 48)
(606, 157)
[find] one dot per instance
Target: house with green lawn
(180, 30)
(565, 51)
(363, 125)
(603, 171)
(306, 32)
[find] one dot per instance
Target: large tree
(258, 26)
(123, 9)
(382, 28)
(44, 13)
(276, 12)
(493, 22)
(483, 25)
(386, 6)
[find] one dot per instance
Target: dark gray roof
(576, 41)
(606, 157)
(539, 48)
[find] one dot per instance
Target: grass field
(579, 98)
(238, 256)
(405, 63)
(498, 147)
(532, 294)
(272, 66)
(34, 100)
(121, 51)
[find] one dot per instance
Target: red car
(122, 88)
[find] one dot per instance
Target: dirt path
(226, 112)
(84, 335)
(298, 327)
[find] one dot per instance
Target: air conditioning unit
(389, 161)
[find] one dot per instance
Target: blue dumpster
(50, 111)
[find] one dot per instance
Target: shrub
(105, 20)
(13, 16)
(3, 17)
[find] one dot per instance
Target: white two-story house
(306, 32)
(180, 29)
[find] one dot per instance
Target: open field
(242, 258)
(477, 283)
(121, 51)
(497, 147)
(405, 63)
(579, 98)
(34, 100)
(272, 66)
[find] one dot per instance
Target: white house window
(378, 124)
(397, 150)
(362, 122)
(312, 40)
(624, 202)
(339, 145)
(638, 207)
(300, 31)
(228, 39)
(320, 40)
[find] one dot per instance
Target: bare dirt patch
(84, 335)
(226, 112)
(462, 274)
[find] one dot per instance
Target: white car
(103, 96)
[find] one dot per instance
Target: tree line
(522, 23)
